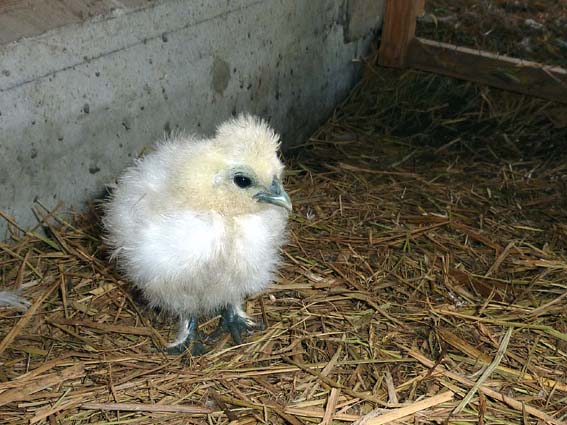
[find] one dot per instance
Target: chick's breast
(188, 261)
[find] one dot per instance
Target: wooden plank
(397, 32)
(26, 18)
(504, 72)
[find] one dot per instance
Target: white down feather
(188, 261)
(12, 299)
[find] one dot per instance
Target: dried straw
(430, 222)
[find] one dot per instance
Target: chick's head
(237, 172)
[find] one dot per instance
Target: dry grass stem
(429, 226)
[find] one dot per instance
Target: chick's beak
(275, 196)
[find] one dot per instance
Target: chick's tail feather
(12, 299)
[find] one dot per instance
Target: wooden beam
(397, 32)
(26, 18)
(504, 72)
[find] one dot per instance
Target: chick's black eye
(242, 181)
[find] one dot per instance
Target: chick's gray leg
(187, 336)
(235, 321)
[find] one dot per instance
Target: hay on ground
(425, 280)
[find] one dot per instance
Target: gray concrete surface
(78, 103)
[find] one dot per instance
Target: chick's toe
(236, 322)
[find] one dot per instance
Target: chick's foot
(236, 322)
(188, 337)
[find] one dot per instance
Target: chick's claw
(235, 321)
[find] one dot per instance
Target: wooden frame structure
(401, 48)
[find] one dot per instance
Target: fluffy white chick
(197, 225)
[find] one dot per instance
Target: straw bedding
(425, 279)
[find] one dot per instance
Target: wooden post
(420, 11)
(398, 31)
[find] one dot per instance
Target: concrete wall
(77, 103)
